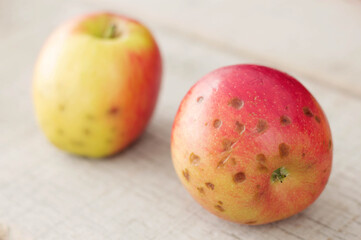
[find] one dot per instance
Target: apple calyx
(111, 32)
(279, 175)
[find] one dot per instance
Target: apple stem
(111, 31)
(279, 175)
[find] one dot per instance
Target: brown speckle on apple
(77, 143)
(236, 103)
(262, 168)
(318, 119)
(217, 123)
(86, 131)
(307, 111)
(223, 161)
(200, 190)
(262, 126)
(285, 120)
(61, 107)
(186, 174)
(60, 131)
(113, 111)
(219, 208)
(209, 185)
(227, 144)
(283, 150)
(194, 159)
(89, 117)
(240, 128)
(239, 177)
(261, 158)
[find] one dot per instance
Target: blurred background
(47, 194)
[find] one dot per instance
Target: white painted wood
(46, 194)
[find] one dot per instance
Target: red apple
(96, 84)
(251, 144)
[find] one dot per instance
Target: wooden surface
(46, 194)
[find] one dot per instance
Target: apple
(96, 83)
(251, 144)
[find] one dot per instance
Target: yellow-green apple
(251, 144)
(96, 84)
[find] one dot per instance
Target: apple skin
(234, 129)
(96, 84)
